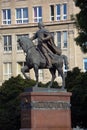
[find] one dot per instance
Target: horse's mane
(26, 40)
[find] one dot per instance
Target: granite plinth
(45, 110)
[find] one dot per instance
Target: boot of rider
(48, 60)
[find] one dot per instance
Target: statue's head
(40, 24)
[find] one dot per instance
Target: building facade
(20, 18)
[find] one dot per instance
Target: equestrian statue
(46, 55)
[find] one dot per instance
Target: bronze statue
(46, 43)
(35, 60)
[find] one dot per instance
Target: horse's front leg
(25, 69)
(36, 74)
(60, 70)
(52, 71)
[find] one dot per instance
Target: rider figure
(42, 45)
(46, 43)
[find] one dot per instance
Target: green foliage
(81, 23)
(55, 85)
(10, 102)
(76, 82)
(71, 78)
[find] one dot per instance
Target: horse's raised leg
(36, 74)
(52, 71)
(25, 69)
(60, 70)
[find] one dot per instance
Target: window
(59, 39)
(85, 64)
(6, 16)
(21, 15)
(61, 12)
(52, 12)
(37, 14)
(64, 6)
(7, 43)
(7, 71)
(18, 36)
(65, 39)
(58, 13)
(62, 39)
(41, 75)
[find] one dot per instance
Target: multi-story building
(20, 17)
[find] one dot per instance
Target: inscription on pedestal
(45, 105)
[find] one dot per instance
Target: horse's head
(19, 41)
(24, 43)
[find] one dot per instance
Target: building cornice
(33, 25)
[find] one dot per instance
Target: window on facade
(65, 39)
(64, 6)
(7, 43)
(59, 39)
(7, 71)
(18, 36)
(52, 12)
(62, 39)
(6, 16)
(21, 15)
(41, 75)
(85, 64)
(58, 13)
(37, 14)
(61, 12)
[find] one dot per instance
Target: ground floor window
(7, 71)
(41, 75)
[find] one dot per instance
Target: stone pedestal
(47, 110)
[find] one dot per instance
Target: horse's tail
(65, 61)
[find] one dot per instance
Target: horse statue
(35, 60)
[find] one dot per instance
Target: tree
(71, 78)
(10, 102)
(76, 82)
(81, 24)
